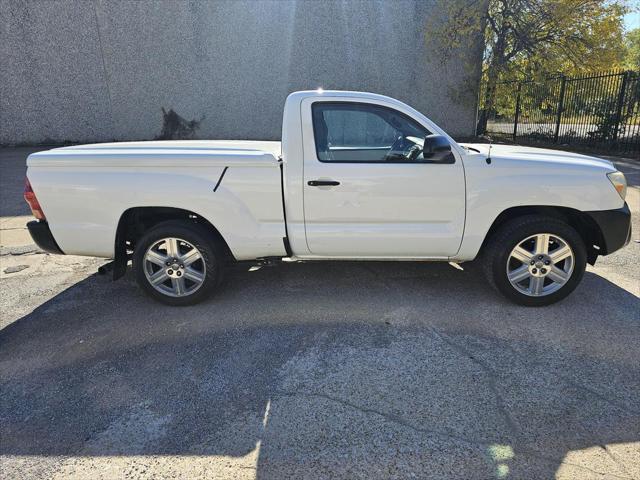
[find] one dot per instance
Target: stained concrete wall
(93, 70)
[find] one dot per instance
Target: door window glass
(360, 132)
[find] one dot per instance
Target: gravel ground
(331, 370)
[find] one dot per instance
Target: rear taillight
(31, 199)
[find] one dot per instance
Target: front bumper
(615, 227)
(42, 236)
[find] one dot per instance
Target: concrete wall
(95, 70)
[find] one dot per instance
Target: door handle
(322, 183)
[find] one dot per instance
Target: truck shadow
(333, 369)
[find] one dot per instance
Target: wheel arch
(580, 221)
(136, 220)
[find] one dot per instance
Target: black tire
(504, 240)
(198, 237)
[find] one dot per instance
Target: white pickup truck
(357, 176)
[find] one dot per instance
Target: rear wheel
(177, 263)
(535, 260)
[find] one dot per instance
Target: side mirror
(437, 149)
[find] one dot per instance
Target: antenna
(488, 159)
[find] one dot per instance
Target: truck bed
(233, 184)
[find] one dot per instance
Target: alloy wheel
(174, 267)
(540, 264)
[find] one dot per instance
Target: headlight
(619, 183)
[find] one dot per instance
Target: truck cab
(366, 189)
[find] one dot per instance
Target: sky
(632, 20)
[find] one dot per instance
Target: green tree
(533, 38)
(632, 47)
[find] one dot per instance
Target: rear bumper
(615, 226)
(43, 237)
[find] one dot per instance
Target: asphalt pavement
(314, 370)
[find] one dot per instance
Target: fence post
(560, 108)
(619, 106)
(515, 120)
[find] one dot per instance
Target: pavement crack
(569, 381)
(493, 383)
(599, 395)
(440, 433)
(387, 416)
(614, 458)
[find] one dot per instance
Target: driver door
(364, 194)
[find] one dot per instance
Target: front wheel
(535, 260)
(177, 263)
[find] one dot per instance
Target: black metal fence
(599, 111)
